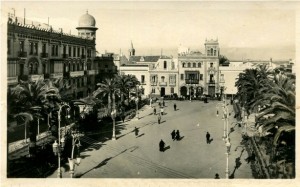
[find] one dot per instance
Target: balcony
(22, 54)
(162, 83)
(153, 83)
(91, 72)
(56, 75)
(172, 83)
(143, 83)
(12, 80)
(44, 55)
(77, 73)
(35, 77)
(211, 82)
(65, 55)
(33, 54)
(191, 81)
(222, 80)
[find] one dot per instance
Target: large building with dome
(37, 51)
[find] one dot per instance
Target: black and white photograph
(153, 91)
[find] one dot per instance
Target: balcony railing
(22, 54)
(76, 73)
(172, 83)
(91, 72)
(65, 55)
(35, 77)
(56, 75)
(143, 83)
(12, 80)
(33, 54)
(162, 83)
(44, 55)
(153, 83)
(192, 81)
(211, 82)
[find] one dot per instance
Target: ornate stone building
(198, 73)
(36, 51)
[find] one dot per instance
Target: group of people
(175, 135)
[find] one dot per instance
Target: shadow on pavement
(140, 135)
(238, 163)
(166, 148)
(102, 163)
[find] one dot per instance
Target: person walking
(136, 131)
(159, 104)
(173, 134)
(177, 135)
(161, 146)
(154, 111)
(207, 138)
(158, 118)
(162, 111)
(175, 106)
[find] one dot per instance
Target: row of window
(189, 65)
(191, 76)
(153, 90)
(162, 78)
(211, 52)
(34, 47)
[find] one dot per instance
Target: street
(132, 156)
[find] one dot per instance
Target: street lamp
(114, 114)
(75, 143)
(228, 146)
(58, 147)
(137, 101)
(225, 117)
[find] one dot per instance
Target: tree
(31, 100)
(223, 60)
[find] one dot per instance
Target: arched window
(162, 79)
(199, 65)
(189, 65)
(194, 65)
(183, 65)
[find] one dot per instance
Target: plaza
(131, 156)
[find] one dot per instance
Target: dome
(87, 20)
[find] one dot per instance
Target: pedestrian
(173, 134)
(217, 176)
(207, 138)
(136, 130)
(175, 106)
(163, 103)
(159, 104)
(161, 145)
(123, 117)
(154, 111)
(177, 135)
(158, 118)
(162, 111)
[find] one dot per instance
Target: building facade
(199, 72)
(35, 52)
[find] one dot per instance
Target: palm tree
(31, 99)
(107, 89)
(125, 84)
(279, 99)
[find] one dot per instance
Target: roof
(135, 59)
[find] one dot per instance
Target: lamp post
(225, 116)
(75, 143)
(137, 102)
(58, 147)
(114, 114)
(228, 146)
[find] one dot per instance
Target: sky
(244, 30)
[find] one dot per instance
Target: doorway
(162, 92)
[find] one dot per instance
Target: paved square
(132, 156)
